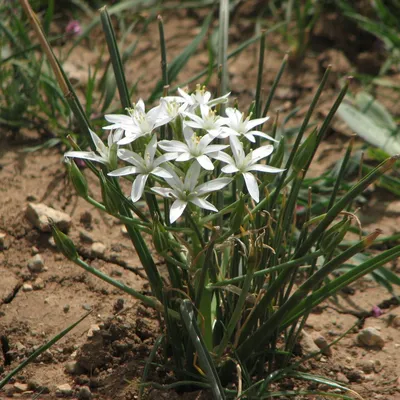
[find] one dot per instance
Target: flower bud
(113, 158)
(64, 243)
(305, 151)
(110, 198)
(159, 235)
(77, 178)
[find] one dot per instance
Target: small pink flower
(376, 311)
(73, 28)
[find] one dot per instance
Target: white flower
(236, 125)
(138, 122)
(189, 191)
(245, 163)
(201, 98)
(103, 153)
(208, 121)
(172, 107)
(143, 167)
(195, 147)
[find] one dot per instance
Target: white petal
(161, 172)
(212, 148)
(261, 152)
(138, 187)
(264, 168)
(118, 118)
(173, 146)
(229, 169)
(124, 171)
(226, 158)
(212, 186)
(131, 157)
(250, 137)
(261, 134)
(86, 155)
(184, 157)
(127, 139)
(100, 146)
(205, 141)
(205, 162)
(151, 149)
(252, 186)
(254, 122)
(165, 192)
(237, 149)
(192, 176)
(202, 203)
(164, 158)
(177, 209)
(187, 98)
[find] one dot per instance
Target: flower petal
(226, 158)
(229, 169)
(261, 152)
(151, 150)
(138, 187)
(252, 186)
(177, 209)
(254, 122)
(205, 162)
(202, 203)
(212, 186)
(86, 155)
(261, 134)
(184, 157)
(161, 172)
(173, 146)
(131, 157)
(237, 149)
(124, 171)
(164, 158)
(165, 192)
(192, 176)
(264, 168)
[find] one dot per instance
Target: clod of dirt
(322, 344)
(355, 375)
(39, 284)
(36, 264)
(64, 390)
(98, 249)
(85, 236)
(39, 215)
(341, 377)
(84, 393)
(307, 344)
(370, 337)
(27, 287)
(20, 387)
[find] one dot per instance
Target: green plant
(244, 274)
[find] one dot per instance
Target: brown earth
(113, 342)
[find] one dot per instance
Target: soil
(108, 350)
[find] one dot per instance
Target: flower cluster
(184, 166)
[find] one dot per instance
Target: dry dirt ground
(105, 354)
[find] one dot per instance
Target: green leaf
(181, 60)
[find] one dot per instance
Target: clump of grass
(244, 272)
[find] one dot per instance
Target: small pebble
(3, 245)
(85, 236)
(366, 365)
(370, 337)
(341, 377)
(36, 264)
(93, 328)
(26, 287)
(98, 249)
(34, 250)
(20, 387)
(86, 307)
(66, 308)
(396, 321)
(355, 375)
(64, 390)
(322, 344)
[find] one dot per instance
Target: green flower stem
(126, 220)
(262, 272)
(150, 301)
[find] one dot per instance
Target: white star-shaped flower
(138, 123)
(244, 164)
(143, 166)
(103, 153)
(237, 125)
(209, 121)
(195, 147)
(189, 191)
